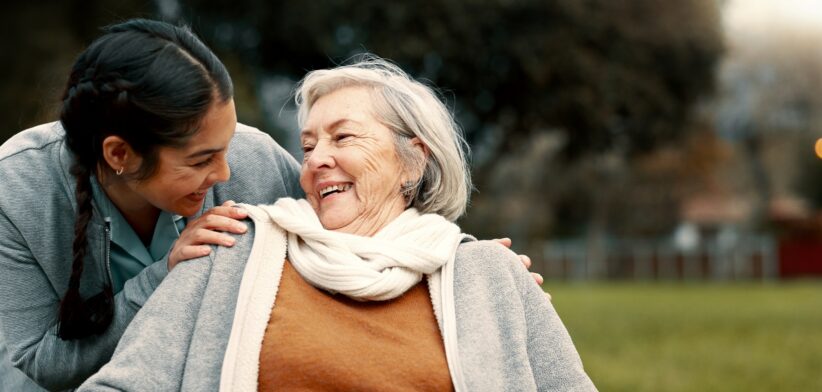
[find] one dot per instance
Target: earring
(120, 170)
(407, 187)
(408, 190)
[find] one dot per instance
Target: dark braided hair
(150, 83)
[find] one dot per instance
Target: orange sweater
(319, 341)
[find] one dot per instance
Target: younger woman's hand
(208, 229)
(526, 261)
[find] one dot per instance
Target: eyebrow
(204, 152)
(333, 125)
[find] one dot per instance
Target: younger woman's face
(184, 174)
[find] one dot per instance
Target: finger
(193, 252)
(232, 211)
(538, 278)
(548, 295)
(506, 242)
(526, 261)
(239, 212)
(228, 203)
(220, 223)
(205, 236)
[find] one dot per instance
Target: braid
(84, 212)
(149, 83)
(79, 318)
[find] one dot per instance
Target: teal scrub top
(128, 255)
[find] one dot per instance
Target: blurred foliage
(579, 113)
(564, 102)
(39, 42)
(607, 74)
(769, 98)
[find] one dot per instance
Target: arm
(28, 314)
(59, 364)
(508, 333)
(152, 352)
(178, 339)
(554, 359)
(52, 362)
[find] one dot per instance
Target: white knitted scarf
(375, 268)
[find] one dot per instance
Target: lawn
(696, 337)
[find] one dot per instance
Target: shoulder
(33, 168)
(484, 263)
(219, 272)
(261, 231)
(234, 256)
(485, 252)
(33, 139)
(248, 139)
(247, 131)
(255, 152)
(261, 170)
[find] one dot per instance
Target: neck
(369, 224)
(140, 215)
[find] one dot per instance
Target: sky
(752, 17)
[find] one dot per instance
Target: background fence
(749, 258)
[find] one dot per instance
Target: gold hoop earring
(120, 170)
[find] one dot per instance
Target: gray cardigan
(37, 207)
(509, 337)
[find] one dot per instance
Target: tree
(769, 102)
(609, 81)
(39, 45)
(597, 84)
(607, 74)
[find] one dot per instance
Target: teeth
(341, 187)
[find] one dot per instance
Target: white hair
(409, 109)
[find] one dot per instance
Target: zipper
(107, 261)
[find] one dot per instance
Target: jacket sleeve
(554, 359)
(151, 355)
(28, 316)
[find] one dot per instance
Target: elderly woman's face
(351, 173)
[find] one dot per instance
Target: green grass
(696, 337)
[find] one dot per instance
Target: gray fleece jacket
(37, 207)
(500, 332)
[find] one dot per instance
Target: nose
(320, 157)
(221, 171)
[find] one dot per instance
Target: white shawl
(375, 268)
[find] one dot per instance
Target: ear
(118, 155)
(419, 145)
(421, 157)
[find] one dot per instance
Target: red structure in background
(800, 244)
(800, 257)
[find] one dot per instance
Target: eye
(307, 148)
(205, 162)
(342, 136)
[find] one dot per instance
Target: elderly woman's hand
(199, 234)
(526, 261)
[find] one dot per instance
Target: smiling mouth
(330, 190)
(197, 195)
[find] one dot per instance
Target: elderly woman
(367, 284)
